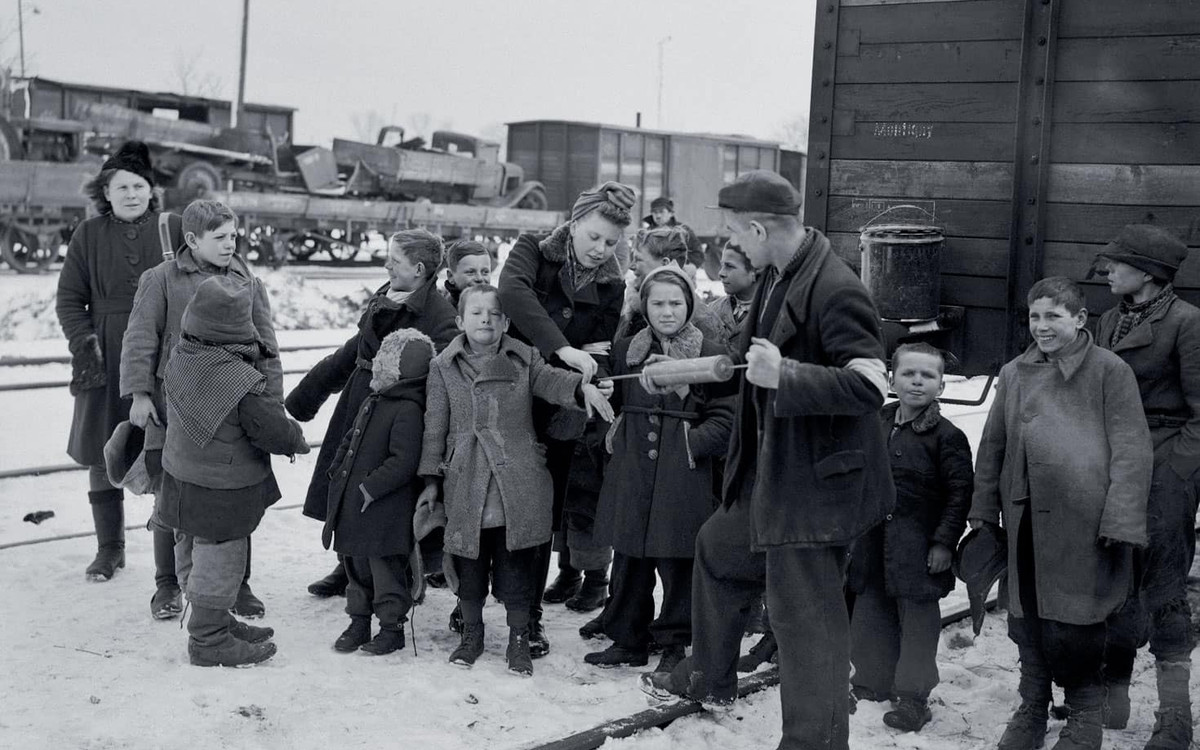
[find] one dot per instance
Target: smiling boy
(1065, 462)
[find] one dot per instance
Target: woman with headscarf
(105, 259)
(563, 293)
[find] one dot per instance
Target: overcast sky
(734, 66)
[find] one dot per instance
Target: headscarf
(620, 197)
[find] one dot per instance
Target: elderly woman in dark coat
(409, 300)
(105, 259)
(563, 294)
(658, 489)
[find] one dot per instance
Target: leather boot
(167, 601)
(333, 584)
(593, 628)
(1085, 722)
(1173, 719)
(354, 636)
(1026, 729)
(108, 516)
(210, 644)
(591, 594)
(248, 605)
(388, 640)
(517, 654)
(539, 643)
(244, 631)
(470, 645)
(760, 653)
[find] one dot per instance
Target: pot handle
(928, 213)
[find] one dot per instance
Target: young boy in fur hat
(373, 491)
(481, 455)
(222, 427)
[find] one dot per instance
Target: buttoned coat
(1164, 352)
(96, 288)
(658, 486)
(931, 468)
(349, 370)
(482, 426)
(380, 454)
(820, 475)
(1067, 441)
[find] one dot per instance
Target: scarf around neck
(1133, 314)
(204, 383)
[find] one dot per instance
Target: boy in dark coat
(901, 568)
(481, 456)
(468, 263)
(409, 300)
(1065, 460)
(373, 492)
(658, 487)
(1158, 335)
(222, 427)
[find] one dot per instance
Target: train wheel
(535, 200)
(302, 248)
(341, 252)
(23, 252)
(197, 178)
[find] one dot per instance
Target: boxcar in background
(1033, 130)
(570, 157)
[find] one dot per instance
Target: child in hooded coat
(658, 488)
(222, 427)
(373, 491)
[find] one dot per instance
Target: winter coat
(378, 454)
(1164, 352)
(156, 322)
(931, 468)
(96, 288)
(727, 327)
(483, 426)
(658, 487)
(349, 370)
(695, 252)
(545, 309)
(223, 488)
(1067, 440)
(821, 474)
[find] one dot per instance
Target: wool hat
(662, 201)
(221, 311)
(132, 156)
(404, 353)
(760, 191)
(674, 271)
(980, 560)
(125, 459)
(1147, 248)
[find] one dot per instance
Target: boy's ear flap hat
(980, 560)
(396, 359)
(221, 312)
(125, 459)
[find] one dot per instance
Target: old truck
(1031, 130)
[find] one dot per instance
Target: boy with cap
(1158, 336)
(1065, 462)
(807, 471)
(222, 427)
(738, 278)
(662, 214)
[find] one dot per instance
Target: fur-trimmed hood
(557, 246)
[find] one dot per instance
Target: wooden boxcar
(570, 157)
(1032, 129)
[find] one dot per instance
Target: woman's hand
(595, 402)
(939, 558)
(143, 411)
(578, 360)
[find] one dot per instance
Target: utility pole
(661, 44)
(21, 33)
(241, 91)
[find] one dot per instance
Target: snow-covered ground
(83, 665)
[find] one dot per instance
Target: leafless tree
(419, 124)
(366, 124)
(192, 80)
(793, 132)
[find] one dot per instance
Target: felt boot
(1173, 719)
(1116, 704)
(470, 645)
(1026, 729)
(564, 586)
(1085, 722)
(210, 643)
(167, 601)
(591, 594)
(517, 655)
(108, 516)
(333, 584)
(354, 636)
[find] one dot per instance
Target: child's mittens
(367, 499)
(87, 365)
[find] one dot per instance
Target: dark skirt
(98, 411)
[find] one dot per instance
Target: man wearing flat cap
(1158, 335)
(662, 214)
(806, 474)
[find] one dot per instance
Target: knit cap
(221, 311)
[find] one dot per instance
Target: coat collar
(1068, 363)
(686, 345)
(555, 247)
(1143, 333)
(501, 367)
(925, 421)
(800, 276)
(415, 301)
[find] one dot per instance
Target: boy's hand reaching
(578, 360)
(939, 558)
(594, 402)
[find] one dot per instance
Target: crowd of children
(488, 412)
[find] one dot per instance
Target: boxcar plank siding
(1074, 259)
(1127, 101)
(1147, 58)
(926, 141)
(1124, 143)
(926, 102)
(921, 179)
(988, 219)
(930, 22)
(1107, 18)
(1153, 185)
(1100, 223)
(961, 257)
(984, 61)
